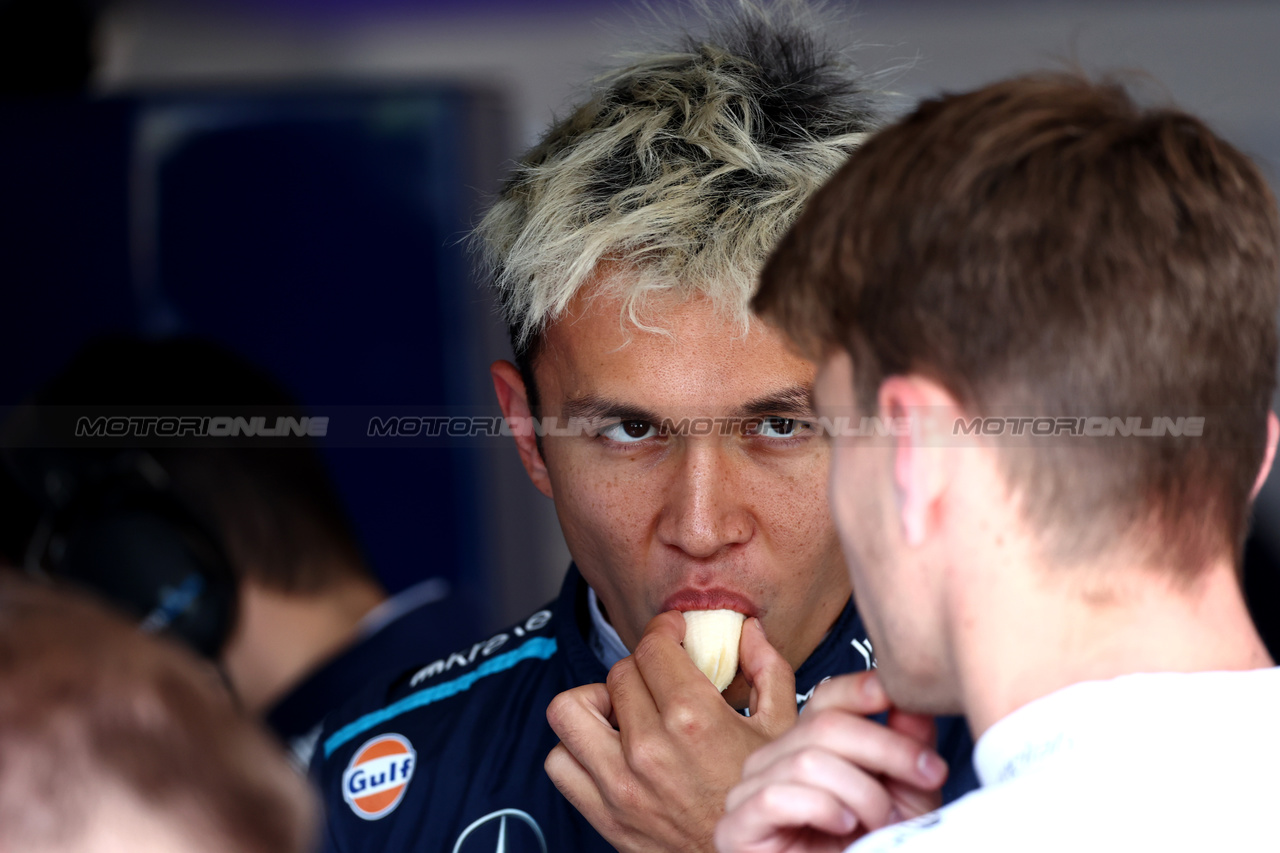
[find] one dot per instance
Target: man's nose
(706, 508)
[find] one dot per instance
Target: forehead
(688, 356)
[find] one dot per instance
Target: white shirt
(1159, 762)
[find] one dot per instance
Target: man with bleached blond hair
(624, 250)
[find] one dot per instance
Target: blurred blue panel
(64, 253)
(316, 233)
(319, 236)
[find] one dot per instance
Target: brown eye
(774, 427)
(627, 432)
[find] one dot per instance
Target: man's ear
(513, 398)
(922, 465)
(1273, 433)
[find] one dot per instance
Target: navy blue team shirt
(425, 619)
(447, 758)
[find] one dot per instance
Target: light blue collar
(604, 640)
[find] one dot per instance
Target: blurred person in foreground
(112, 741)
(624, 250)
(1106, 276)
(309, 620)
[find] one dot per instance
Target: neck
(281, 637)
(1057, 629)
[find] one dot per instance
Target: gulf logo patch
(377, 777)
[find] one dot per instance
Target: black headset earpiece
(109, 522)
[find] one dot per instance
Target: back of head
(276, 509)
(685, 165)
(1046, 248)
(109, 735)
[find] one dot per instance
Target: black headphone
(108, 521)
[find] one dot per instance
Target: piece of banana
(711, 639)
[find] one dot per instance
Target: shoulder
(417, 624)
(532, 639)
(448, 685)
(992, 819)
(421, 755)
(923, 833)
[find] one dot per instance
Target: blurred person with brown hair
(1071, 299)
(113, 741)
(303, 620)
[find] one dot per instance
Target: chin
(917, 692)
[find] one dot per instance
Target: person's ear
(513, 398)
(1273, 433)
(922, 466)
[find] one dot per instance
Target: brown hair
(89, 706)
(276, 508)
(1045, 246)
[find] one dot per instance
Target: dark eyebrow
(796, 400)
(594, 407)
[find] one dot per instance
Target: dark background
(293, 179)
(318, 233)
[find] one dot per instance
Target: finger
(862, 742)
(589, 756)
(763, 821)
(669, 624)
(634, 708)
(773, 683)
(671, 677)
(860, 792)
(876, 748)
(861, 693)
(575, 782)
(919, 727)
(585, 707)
(910, 801)
(932, 769)
(580, 717)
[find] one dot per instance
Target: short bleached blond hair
(684, 167)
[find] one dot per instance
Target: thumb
(773, 684)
